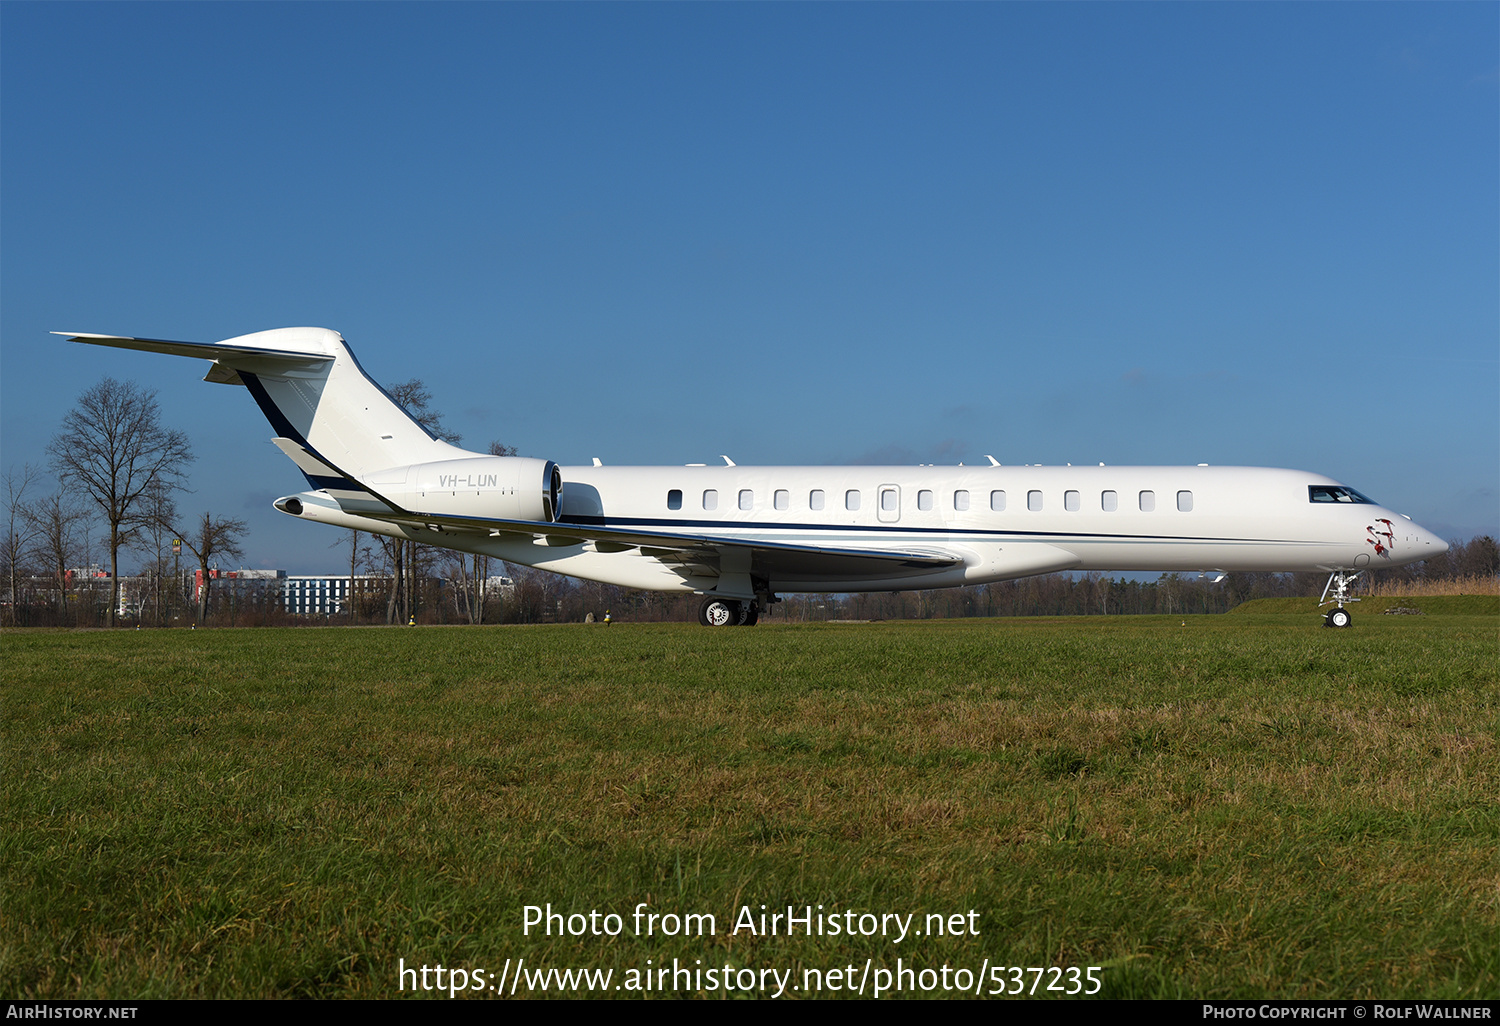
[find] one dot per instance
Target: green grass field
(1231, 806)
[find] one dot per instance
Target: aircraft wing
(700, 554)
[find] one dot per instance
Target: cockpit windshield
(1335, 493)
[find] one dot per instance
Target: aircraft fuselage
(739, 534)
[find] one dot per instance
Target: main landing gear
(717, 612)
(1340, 583)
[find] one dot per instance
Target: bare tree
(159, 512)
(454, 567)
(410, 558)
(18, 528)
(413, 397)
(357, 554)
(113, 446)
(479, 592)
(212, 537)
(59, 541)
(1479, 557)
(391, 552)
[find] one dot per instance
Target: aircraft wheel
(718, 613)
(749, 614)
(1339, 618)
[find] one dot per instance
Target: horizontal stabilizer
(198, 350)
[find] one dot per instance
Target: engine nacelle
(502, 487)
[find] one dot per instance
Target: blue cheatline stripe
(625, 523)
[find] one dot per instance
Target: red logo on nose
(1382, 547)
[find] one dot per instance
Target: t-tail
(351, 440)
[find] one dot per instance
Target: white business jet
(739, 535)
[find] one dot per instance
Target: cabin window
(782, 499)
(1148, 502)
(961, 500)
(1184, 502)
(924, 500)
(888, 500)
(851, 499)
(1034, 500)
(1109, 501)
(815, 499)
(997, 501)
(674, 499)
(1072, 501)
(747, 498)
(711, 499)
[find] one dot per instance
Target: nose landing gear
(1340, 582)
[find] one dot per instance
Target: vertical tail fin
(314, 392)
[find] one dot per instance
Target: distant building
(325, 594)
(298, 594)
(243, 585)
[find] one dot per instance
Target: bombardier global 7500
(739, 535)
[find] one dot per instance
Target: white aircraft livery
(739, 535)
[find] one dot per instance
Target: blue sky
(1258, 234)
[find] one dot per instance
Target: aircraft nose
(1428, 543)
(1410, 541)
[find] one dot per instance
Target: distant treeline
(1472, 566)
(541, 597)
